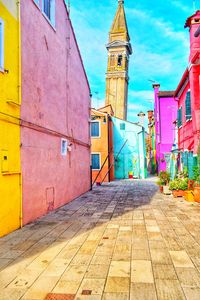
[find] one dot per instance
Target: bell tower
(119, 50)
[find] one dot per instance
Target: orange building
(102, 158)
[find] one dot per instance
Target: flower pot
(166, 190)
(161, 188)
(178, 193)
(189, 196)
(197, 193)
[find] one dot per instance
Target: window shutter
(95, 161)
(180, 117)
(95, 129)
(188, 106)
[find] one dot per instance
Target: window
(95, 161)
(188, 111)
(49, 10)
(95, 129)
(1, 44)
(122, 126)
(64, 145)
(180, 117)
(119, 61)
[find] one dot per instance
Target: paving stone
(160, 256)
(188, 277)
(95, 286)
(141, 271)
(144, 291)
(117, 285)
(192, 293)
(164, 272)
(119, 269)
(97, 271)
(169, 290)
(181, 259)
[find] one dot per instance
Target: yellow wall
(10, 99)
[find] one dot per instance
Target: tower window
(119, 60)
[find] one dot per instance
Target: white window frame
(95, 137)
(2, 45)
(52, 12)
(64, 153)
(99, 153)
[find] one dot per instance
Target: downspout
(18, 3)
(108, 120)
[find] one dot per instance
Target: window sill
(49, 21)
(95, 137)
(2, 70)
(12, 103)
(188, 120)
(10, 173)
(96, 169)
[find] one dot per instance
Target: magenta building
(165, 117)
(55, 111)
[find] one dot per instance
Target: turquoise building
(129, 149)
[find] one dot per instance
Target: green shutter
(180, 117)
(188, 106)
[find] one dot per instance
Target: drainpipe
(108, 124)
(18, 3)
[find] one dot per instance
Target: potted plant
(197, 189)
(178, 187)
(163, 182)
(197, 177)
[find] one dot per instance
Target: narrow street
(123, 240)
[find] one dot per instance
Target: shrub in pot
(197, 189)
(178, 187)
(164, 177)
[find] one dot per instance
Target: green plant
(179, 184)
(183, 174)
(160, 183)
(164, 178)
(196, 169)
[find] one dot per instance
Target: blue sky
(160, 45)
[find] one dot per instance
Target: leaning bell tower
(119, 50)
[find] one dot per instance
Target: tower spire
(119, 28)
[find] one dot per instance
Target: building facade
(188, 96)
(151, 145)
(102, 145)
(129, 149)
(165, 115)
(44, 112)
(10, 101)
(119, 51)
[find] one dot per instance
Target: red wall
(185, 133)
(55, 95)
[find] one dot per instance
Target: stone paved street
(122, 241)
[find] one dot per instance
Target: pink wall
(55, 95)
(165, 115)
